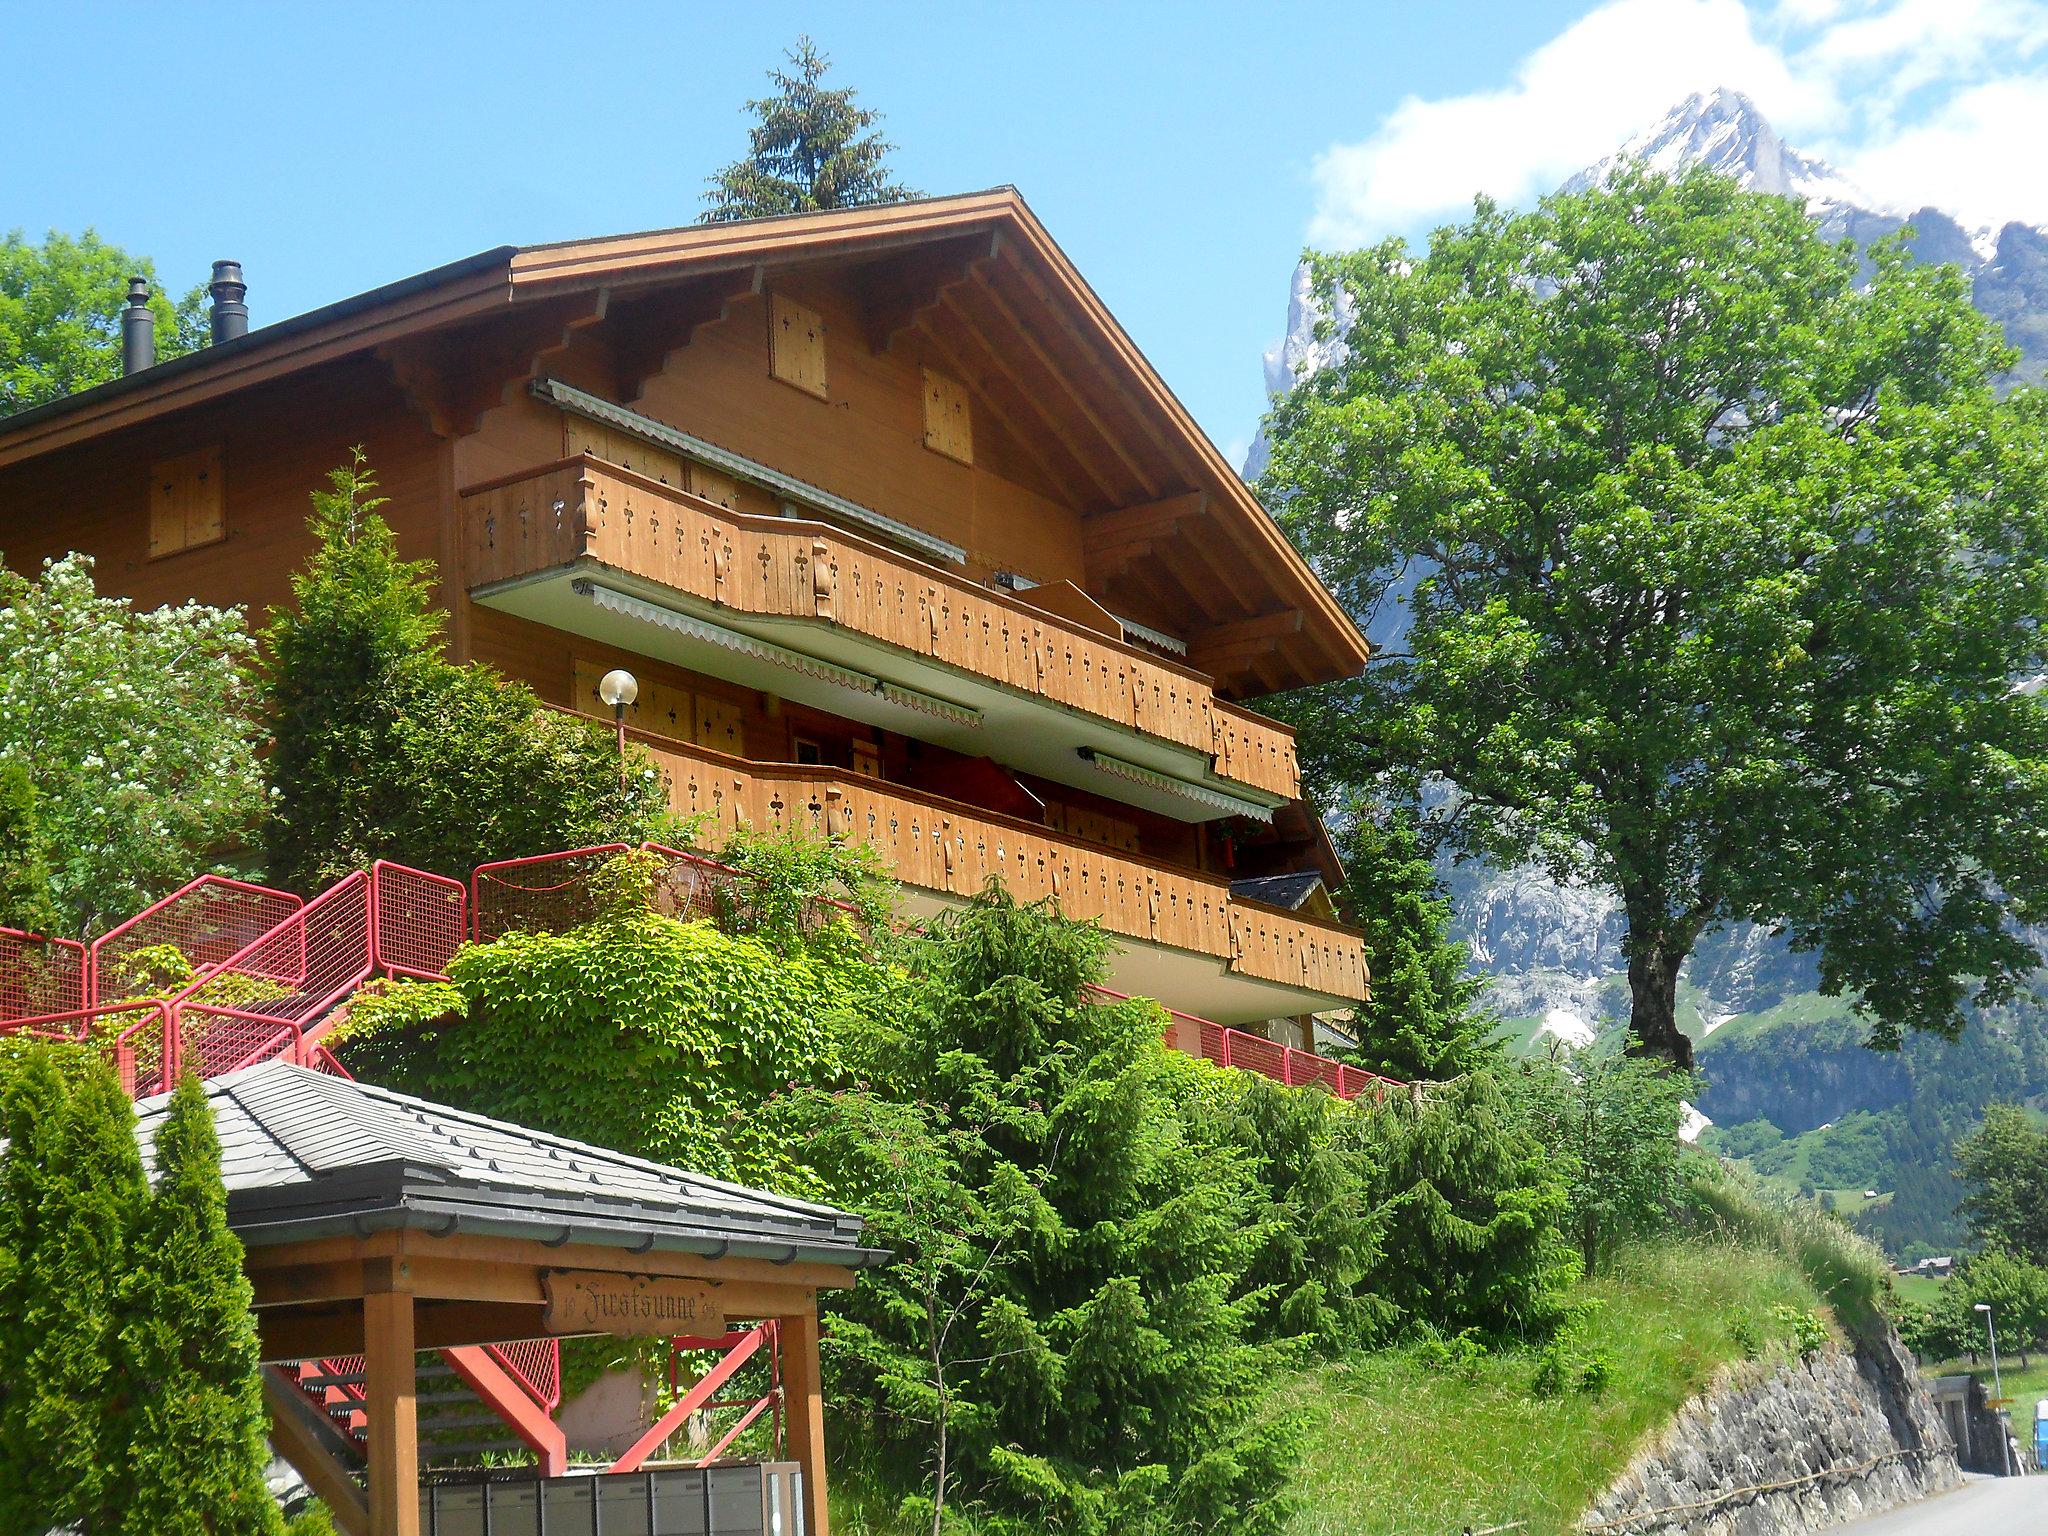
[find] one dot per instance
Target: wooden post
(393, 1414)
(804, 1397)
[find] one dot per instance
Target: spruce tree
(196, 1420)
(74, 1395)
(1424, 1019)
(30, 1112)
(386, 749)
(810, 149)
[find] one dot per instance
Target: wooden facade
(938, 363)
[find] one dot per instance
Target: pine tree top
(811, 149)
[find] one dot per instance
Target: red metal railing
(1255, 1053)
(418, 920)
(40, 976)
(208, 920)
(542, 893)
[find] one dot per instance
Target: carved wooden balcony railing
(581, 508)
(944, 845)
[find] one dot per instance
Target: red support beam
(514, 1404)
(702, 1393)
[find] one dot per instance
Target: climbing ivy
(637, 1031)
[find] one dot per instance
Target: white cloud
(1978, 156)
(1922, 101)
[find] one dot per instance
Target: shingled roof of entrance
(306, 1155)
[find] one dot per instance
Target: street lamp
(1997, 1387)
(619, 688)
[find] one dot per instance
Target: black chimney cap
(230, 315)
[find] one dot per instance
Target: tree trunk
(1653, 1001)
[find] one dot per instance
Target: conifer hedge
(129, 1396)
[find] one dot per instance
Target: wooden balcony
(583, 512)
(952, 849)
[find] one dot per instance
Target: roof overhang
(1134, 424)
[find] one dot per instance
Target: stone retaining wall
(1788, 1448)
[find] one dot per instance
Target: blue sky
(1181, 153)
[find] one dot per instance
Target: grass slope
(1397, 1447)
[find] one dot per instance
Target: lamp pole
(619, 688)
(1997, 1387)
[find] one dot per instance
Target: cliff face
(1787, 1449)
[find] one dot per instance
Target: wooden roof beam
(1064, 380)
(1260, 646)
(998, 366)
(644, 329)
(1063, 322)
(452, 377)
(900, 289)
(1146, 520)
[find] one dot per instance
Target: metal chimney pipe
(230, 314)
(138, 329)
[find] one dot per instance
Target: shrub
(129, 1395)
(387, 750)
(1472, 1207)
(1804, 1329)
(25, 900)
(1320, 1223)
(136, 730)
(1611, 1124)
(636, 1031)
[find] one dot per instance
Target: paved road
(1991, 1506)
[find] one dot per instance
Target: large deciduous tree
(60, 316)
(809, 149)
(1727, 574)
(137, 731)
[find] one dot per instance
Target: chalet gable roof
(975, 278)
(305, 1155)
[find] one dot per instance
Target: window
(796, 344)
(948, 426)
(803, 749)
(187, 502)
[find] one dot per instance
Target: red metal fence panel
(545, 893)
(420, 920)
(208, 920)
(40, 975)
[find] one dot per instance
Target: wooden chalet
(900, 534)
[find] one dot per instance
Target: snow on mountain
(1723, 131)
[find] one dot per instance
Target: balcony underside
(924, 699)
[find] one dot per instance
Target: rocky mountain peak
(1723, 131)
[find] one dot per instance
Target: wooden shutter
(187, 502)
(948, 425)
(719, 725)
(796, 344)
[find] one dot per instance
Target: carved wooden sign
(592, 1301)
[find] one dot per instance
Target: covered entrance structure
(381, 1226)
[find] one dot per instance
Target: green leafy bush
(1611, 1123)
(25, 900)
(137, 731)
(129, 1394)
(1804, 1329)
(1472, 1205)
(636, 1031)
(387, 750)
